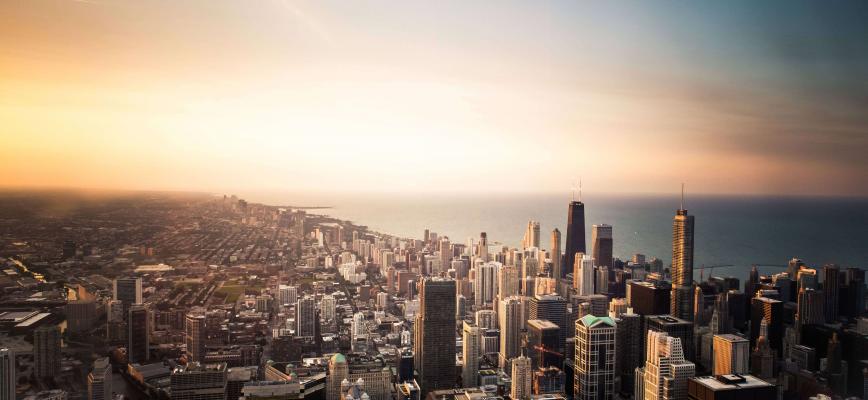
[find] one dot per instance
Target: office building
(648, 298)
(196, 381)
(99, 381)
(629, 343)
(557, 267)
(666, 370)
(543, 339)
(811, 307)
(674, 327)
(831, 287)
(771, 310)
(138, 335)
(8, 376)
(128, 291)
(601, 245)
(435, 335)
(287, 295)
(575, 233)
(46, 351)
(372, 372)
(583, 275)
(552, 308)
(511, 322)
(328, 306)
(195, 333)
(681, 299)
(730, 387)
(521, 378)
(472, 350)
(731, 354)
(594, 374)
(531, 235)
(485, 283)
(305, 311)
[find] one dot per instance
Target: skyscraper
(594, 358)
(531, 235)
(99, 381)
(583, 275)
(435, 335)
(7, 374)
(543, 338)
(46, 351)
(511, 320)
(129, 291)
(551, 308)
(575, 233)
(731, 354)
(305, 312)
(194, 329)
(557, 268)
(485, 283)
(681, 305)
(195, 381)
(675, 327)
(521, 378)
(831, 285)
(666, 370)
(772, 311)
(601, 250)
(472, 350)
(138, 336)
(810, 311)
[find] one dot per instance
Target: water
(729, 230)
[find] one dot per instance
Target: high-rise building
(195, 333)
(831, 285)
(666, 370)
(552, 308)
(681, 300)
(129, 291)
(287, 295)
(80, 311)
(543, 339)
(674, 327)
(328, 306)
(507, 282)
(7, 374)
(138, 335)
(575, 233)
(731, 354)
(583, 275)
(305, 318)
(521, 378)
(435, 335)
(601, 250)
(511, 318)
(557, 267)
(486, 319)
(485, 283)
(771, 310)
(99, 381)
(531, 235)
(648, 298)
(762, 359)
(472, 350)
(46, 351)
(594, 375)
(196, 381)
(811, 306)
(629, 343)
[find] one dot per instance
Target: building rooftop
(731, 382)
(542, 324)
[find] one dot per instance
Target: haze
(730, 97)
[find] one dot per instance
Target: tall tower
(7, 374)
(435, 335)
(731, 354)
(601, 242)
(194, 329)
(830, 290)
(99, 381)
(305, 314)
(583, 275)
(595, 358)
(521, 379)
(46, 351)
(485, 283)
(666, 369)
(511, 321)
(552, 308)
(138, 336)
(531, 235)
(472, 349)
(129, 291)
(557, 271)
(810, 310)
(575, 233)
(681, 301)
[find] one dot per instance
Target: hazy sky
(728, 96)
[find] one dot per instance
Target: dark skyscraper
(601, 245)
(435, 335)
(575, 234)
(138, 342)
(830, 291)
(552, 308)
(772, 311)
(681, 305)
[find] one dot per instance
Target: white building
(471, 346)
(666, 370)
(583, 275)
(595, 358)
(521, 379)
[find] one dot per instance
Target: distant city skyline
(734, 97)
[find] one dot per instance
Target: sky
(404, 96)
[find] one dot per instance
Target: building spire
(580, 190)
(682, 195)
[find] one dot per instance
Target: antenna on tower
(682, 195)
(580, 189)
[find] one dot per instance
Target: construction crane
(545, 350)
(711, 270)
